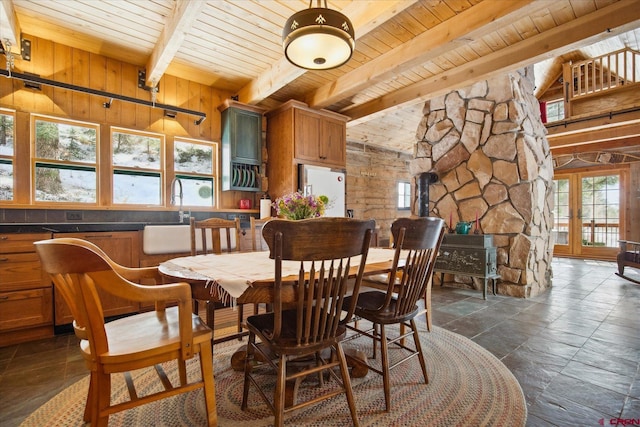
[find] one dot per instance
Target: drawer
(24, 309)
(20, 271)
(16, 243)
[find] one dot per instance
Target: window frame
(63, 164)
(214, 176)
(554, 118)
(406, 196)
(10, 159)
(160, 172)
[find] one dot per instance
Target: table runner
(230, 275)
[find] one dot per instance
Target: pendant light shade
(318, 38)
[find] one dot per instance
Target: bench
(629, 256)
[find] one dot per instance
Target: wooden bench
(629, 256)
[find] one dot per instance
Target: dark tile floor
(574, 349)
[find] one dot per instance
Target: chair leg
(248, 359)
(206, 367)
(375, 341)
(279, 395)
(182, 371)
(427, 306)
(384, 350)
(416, 338)
(346, 380)
(103, 391)
(91, 407)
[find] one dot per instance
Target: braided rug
(468, 386)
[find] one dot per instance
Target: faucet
(180, 195)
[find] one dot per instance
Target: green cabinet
(241, 146)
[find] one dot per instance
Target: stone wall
(372, 179)
(488, 146)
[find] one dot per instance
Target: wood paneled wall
(63, 64)
(372, 180)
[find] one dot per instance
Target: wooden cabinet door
(26, 304)
(307, 135)
(333, 142)
(246, 129)
(123, 248)
(25, 309)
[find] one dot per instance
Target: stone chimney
(488, 146)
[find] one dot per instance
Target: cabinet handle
(88, 236)
(4, 237)
(4, 297)
(4, 259)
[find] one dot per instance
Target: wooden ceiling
(407, 51)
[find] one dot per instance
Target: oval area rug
(468, 386)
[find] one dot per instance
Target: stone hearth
(489, 148)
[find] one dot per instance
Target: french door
(588, 214)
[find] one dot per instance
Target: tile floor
(574, 349)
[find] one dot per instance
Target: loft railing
(603, 73)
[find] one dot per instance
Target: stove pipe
(422, 186)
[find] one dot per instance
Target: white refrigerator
(325, 181)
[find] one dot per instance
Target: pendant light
(318, 38)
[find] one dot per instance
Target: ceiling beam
(459, 30)
(599, 25)
(616, 144)
(9, 26)
(177, 26)
(591, 135)
(365, 16)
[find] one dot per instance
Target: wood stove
(468, 255)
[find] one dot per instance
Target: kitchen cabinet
(241, 146)
(297, 134)
(121, 246)
(319, 139)
(26, 298)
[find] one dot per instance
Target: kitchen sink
(173, 239)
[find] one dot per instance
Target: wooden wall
(63, 64)
(372, 178)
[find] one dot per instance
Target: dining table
(248, 278)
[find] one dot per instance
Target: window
(137, 161)
(64, 160)
(404, 195)
(555, 111)
(194, 165)
(7, 120)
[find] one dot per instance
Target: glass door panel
(561, 216)
(588, 214)
(600, 211)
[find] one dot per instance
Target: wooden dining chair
(417, 241)
(322, 249)
(256, 235)
(127, 344)
(213, 232)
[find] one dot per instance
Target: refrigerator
(318, 180)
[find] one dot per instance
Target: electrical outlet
(74, 216)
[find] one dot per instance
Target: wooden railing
(606, 72)
(593, 234)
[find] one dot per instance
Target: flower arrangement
(296, 206)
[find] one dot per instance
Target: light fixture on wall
(318, 38)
